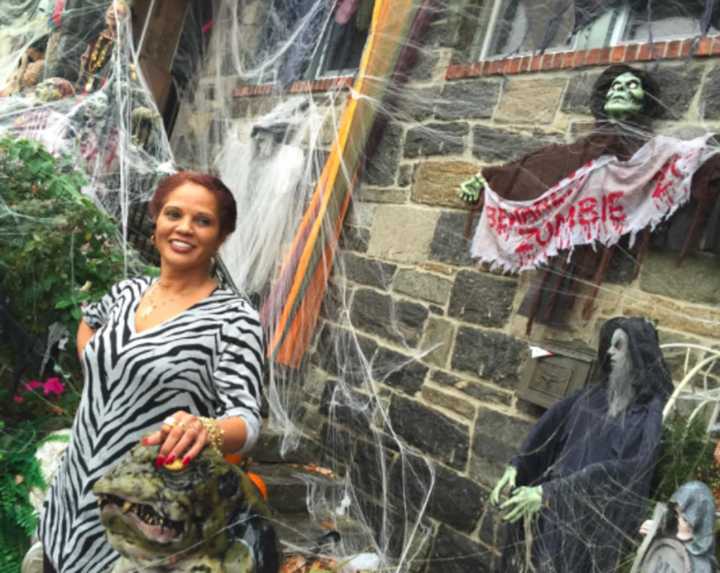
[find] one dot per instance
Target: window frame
(617, 36)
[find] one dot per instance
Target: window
(342, 40)
(520, 27)
(310, 39)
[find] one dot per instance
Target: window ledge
(625, 53)
(304, 86)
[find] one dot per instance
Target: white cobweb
(272, 159)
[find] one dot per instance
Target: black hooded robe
(595, 470)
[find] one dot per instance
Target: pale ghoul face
(620, 389)
(625, 96)
(187, 229)
(618, 351)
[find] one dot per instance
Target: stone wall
(416, 299)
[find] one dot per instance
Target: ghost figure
(682, 531)
(584, 470)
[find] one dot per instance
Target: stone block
(471, 99)
(352, 411)
(438, 337)
(370, 194)
(454, 500)
(414, 104)
(696, 279)
(500, 145)
(454, 552)
(369, 467)
(426, 286)
(402, 233)
(497, 436)
(437, 182)
(344, 353)
(710, 103)
(490, 355)
(436, 139)
(406, 175)
(448, 402)
(370, 272)
(430, 431)
(674, 314)
(379, 314)
(530, 101)
(449, 244)
(481, 298)
(398, 371)
(678, 86)
(382, 164)
(578, 93)
(355, 239)
(481, 392)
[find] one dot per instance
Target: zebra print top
(206, 360)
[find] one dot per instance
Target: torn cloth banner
(600, 202)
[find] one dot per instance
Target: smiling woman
(176, 361)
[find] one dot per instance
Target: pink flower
(53, 386)
(30, 386)
(18, 399)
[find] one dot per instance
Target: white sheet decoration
(600, 202)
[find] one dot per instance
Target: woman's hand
(181, 437)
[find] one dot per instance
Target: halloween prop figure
(584, 469)
(620, 180)
(680, 537)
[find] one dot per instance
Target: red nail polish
(186, 460)
(170, 459)
(159, 461)
(144, 441)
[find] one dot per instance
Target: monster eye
(228, 484)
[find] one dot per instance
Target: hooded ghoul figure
(695, 507)
(585, 468)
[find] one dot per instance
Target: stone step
(296, 489)
(301, 534)
(269, 449)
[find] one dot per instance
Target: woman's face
(187, 228)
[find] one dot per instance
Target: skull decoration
(625, 97)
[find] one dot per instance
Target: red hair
(226, 202)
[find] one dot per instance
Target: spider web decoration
(263, 93)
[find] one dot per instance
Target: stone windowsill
(626, 53)
(305, 86)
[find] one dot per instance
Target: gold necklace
(150, 303)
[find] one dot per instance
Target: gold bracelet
(216, 435)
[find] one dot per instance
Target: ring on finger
(169, 421)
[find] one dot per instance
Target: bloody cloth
(532, 175)
(595, 470)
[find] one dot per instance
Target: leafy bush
(686, 454)
(57, 249)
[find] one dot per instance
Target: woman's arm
(84, 333)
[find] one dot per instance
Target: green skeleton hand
(506, 481)
(525, 502)
(470, 190)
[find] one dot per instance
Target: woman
(178, 353)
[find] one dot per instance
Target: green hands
(525, 502)
(506, 481)
(470, 190)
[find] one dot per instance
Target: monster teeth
(126, 507)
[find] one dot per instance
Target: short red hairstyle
(226, 202)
